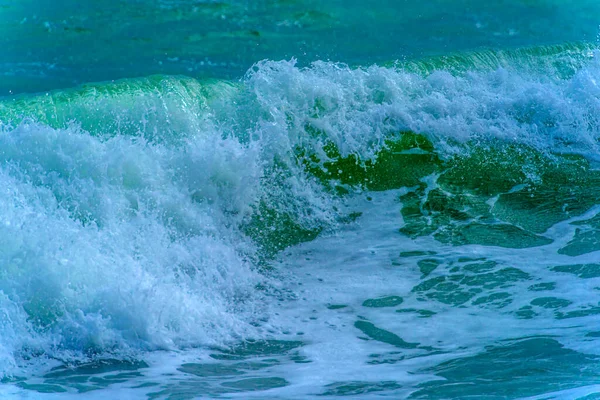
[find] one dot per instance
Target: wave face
(151, 214)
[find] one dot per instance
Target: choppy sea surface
(295, 199)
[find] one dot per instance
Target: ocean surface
(295, 199)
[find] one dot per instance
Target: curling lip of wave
(133, 210)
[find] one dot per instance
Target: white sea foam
(113, 243)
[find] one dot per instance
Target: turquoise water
(299, 199)
(48, 44)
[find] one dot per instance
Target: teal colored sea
(299, 199)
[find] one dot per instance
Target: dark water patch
(429, 284)
(586, 239)
(523, 368)
(88, 377)
(336, 306)
(494, 300)
(427, 266)
(381, 335)
(145, 385)
(593, 222)
(391, 357)
(12, 379)
(187, 391)
(421, 313)
(355, 388)
(299, 359)
(584, 271)
(583, 242)
(390, 301)
(255, 384)
(502, 278)
(106, 382)
(197, 388)
(550, 302)
(42, 387)
(95, 380)
(544, 286)
(417, 253)
(217, 379)
(526, 312)
(209, 370)
(583, 312)
(256, 365)
(450, 293)
(480, 267)
(95, 368)
(87, 388)
(394, 357)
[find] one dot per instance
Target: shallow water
(299, 199)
